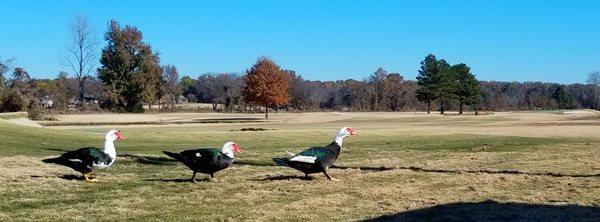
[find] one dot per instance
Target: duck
(317, 159)
(206, 160)
(87, 159)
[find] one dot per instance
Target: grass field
(539, 166)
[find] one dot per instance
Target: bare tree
(81, 52)
(171, 87)
(223, 88)
(5, 66)
(593, 78)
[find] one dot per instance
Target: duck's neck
(109, 148)
(338, 139)
(227, 151)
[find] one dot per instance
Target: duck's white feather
(304, 159)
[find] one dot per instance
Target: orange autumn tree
(266, 85)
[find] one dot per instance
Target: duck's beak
(236, 148)
(352, 132)
(120, 136)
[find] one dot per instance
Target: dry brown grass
(143, 185)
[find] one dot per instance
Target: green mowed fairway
(543, 166)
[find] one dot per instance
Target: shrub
(35, 111)
(13, 101)
(192, 98)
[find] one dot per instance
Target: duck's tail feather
(176, 156)
(290, 153)
(281, 161)
(53, 160)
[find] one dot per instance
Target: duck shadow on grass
(490, 210)
(73, 177)
(272, 164)
(152, 160)
(284, 177)
(177, 180)
(64, 177)
(254, 163)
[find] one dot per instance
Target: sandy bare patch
(581, 112)
(581, 123)
(23, 122)
(165, 117)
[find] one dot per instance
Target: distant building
(183, 99)
(74, 102)
(47, 102)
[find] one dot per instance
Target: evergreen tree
(468, 91)
(447, 85)
(435, 83)
(130, 70)
(427, 80)
(564, 99)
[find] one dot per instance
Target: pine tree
(446, 85)
(468, 87)
(564, 99)
(429, 79)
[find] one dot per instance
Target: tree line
(383, 91)
(131, 77)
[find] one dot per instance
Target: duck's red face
(350, 131)
(235, 148)
(119, 135)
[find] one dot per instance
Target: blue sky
(550, 41)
